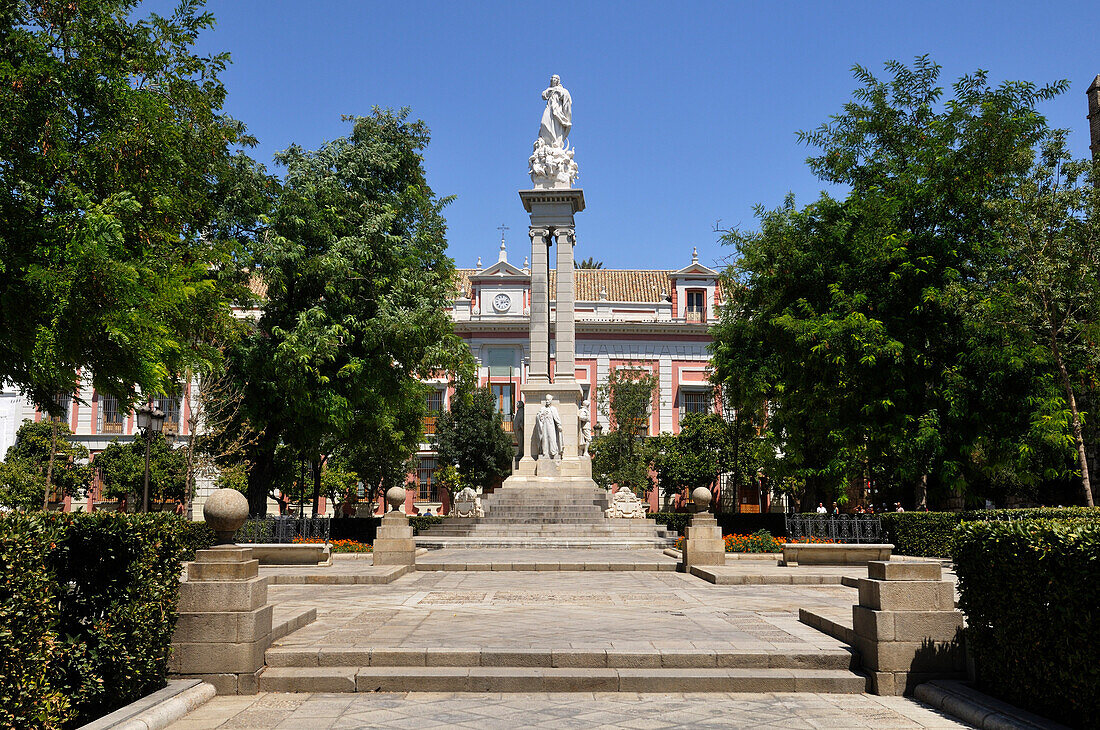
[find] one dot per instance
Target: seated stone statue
(468, 504)
(625, 504)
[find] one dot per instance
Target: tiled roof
(622, 285)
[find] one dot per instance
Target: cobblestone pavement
(557, 610)
(573, 710)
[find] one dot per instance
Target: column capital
(566, 235)
(535, 232)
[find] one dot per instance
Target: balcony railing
(429, 425)
(694, 316)
(111, 427)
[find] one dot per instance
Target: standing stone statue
(517, 426)
(557, 118)
(548, 429)
(551, 163)
(586, 427)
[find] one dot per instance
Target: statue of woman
(557, 118)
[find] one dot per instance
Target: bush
(929, 534)
(423, 522)
(112, 583)
(1029, 591)
(672, 520)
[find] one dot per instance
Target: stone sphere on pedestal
(701, 497)
(225, 511)
(395, 497)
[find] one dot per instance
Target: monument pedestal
(394, 544)
(567, 398)
(703, 543)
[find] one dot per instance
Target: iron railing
(841, 528)
(284, 529)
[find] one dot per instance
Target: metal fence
(841, 528)
(284, 529)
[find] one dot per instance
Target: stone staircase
(546, 513)
(338, 669)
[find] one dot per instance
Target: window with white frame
(425, 478)
(111, 417)
(696, 305)
(694, 401)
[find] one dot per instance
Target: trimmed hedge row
(87, 611)
(731, 524)
(929, 534)
(1031, 593)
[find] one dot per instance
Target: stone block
(578, 659)
(203, 571)
(223, 626)
(579, 680)
(334, 657)
(248, 683)
(871, 624)
(380, 657)
(906, 595)
(224, 684)
(834, 554)
(687, 658)
(206, 597)
(226, 658)
(911, 656)
(326, 679)
(224, 554)
(503, 658)
(895, 570)
(435, 656)
(921, 625)
(640, 659)
(283, 657)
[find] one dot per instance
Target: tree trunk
(316, 465)
(1078, 435)
(49, 467)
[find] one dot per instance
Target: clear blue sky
(683, 112)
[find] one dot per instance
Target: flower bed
(761, 541)
(338, 546)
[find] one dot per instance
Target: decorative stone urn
(395, 497)
(225, 511)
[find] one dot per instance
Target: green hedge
(1031, 593)
(422, 522)
(87, 612)
(672, 520)
(929, 534)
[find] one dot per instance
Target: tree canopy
(115, 162)
(844, 315)
(471, 436)
(28, 460)
(624, 455)
(121, 468)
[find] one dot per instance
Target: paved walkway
(572, 710)
(523, 611)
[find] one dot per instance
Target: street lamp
(149, 420)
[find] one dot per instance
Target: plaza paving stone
(776, 711)
(544, 611)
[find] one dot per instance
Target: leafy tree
(590, 263)
(471, 436)
(45, 448)
(113, 147)
(121, 468)
(1043, 290)
(696, 456)
(357, 284)
(451, 479)
(21, 485)
(842, 316)
(624, 456)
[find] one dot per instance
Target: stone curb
(982, 711)
(158, 710)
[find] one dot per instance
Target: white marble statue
(551, 163)
(548, 429)
(625, 504)
(557, 118)
(585, 420)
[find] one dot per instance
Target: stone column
(703, 543)
(1094, 118)
(394, 543)
(540, 306)
(906, 626)
(224, 624)
(565, 334)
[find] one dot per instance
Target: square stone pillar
(540, 306)
(565, 328)
(906, 626)
(394, 544)
(224, 624)
(703, 543)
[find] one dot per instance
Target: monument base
(567, 398)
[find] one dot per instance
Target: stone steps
(541, 679)
(543, 542)
(568, 658)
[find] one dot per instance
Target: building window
(66, 404)
(425, 476)
(696, 305)
(111, 416)
(171, 409)
(695, 401)
(504, 398)
(435, 406)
